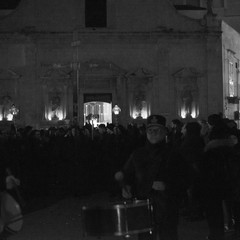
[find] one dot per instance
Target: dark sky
(9, 4)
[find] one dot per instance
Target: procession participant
(216, 179)
(157, 173)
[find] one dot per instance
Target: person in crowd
(157, 173)
(192, 148)
(214, 120)
(2, 188)
(12, 186)
(234, 224)
(205, 129)
(233, 128)
(215, 173)
(175, 133)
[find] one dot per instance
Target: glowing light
(193, 114)
(140, 112)
(116, 110)
(143, 114)
(13, 110)
(9, 117)
(58, 115)
(183, 114)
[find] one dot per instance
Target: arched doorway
(97, 108)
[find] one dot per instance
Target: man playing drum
(158, 173)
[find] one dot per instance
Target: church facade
(73, 61)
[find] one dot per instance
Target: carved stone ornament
(8, 92)
(139, 85)
(187, 92)
(96, 65)
(56, 81)
(57, 72)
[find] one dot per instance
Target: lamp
(13, 110)
(116, 110)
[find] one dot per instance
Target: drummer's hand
(158, 185)
(126, 192)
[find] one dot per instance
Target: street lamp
(116, 110)
(13, 110)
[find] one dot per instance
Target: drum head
(11, 213)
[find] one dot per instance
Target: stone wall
(149, 40)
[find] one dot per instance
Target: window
(96, 13)
(230, 80)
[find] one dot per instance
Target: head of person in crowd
(231, 124)
(204, 127)
(102, 129)
(176, 124)
(214, 120)
(110, 128)
(142, 130)
(85, 131)
(233, 128)
(116, 130)
(220, 131)
(191, 129)
(156, 129)
(234, 138)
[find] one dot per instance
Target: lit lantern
(116, 110)
(13, 110)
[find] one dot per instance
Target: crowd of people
(194, 166)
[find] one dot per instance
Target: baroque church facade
(64, 61)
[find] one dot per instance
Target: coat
(215, 168)
(156, 162)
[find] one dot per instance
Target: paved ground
(62, 221)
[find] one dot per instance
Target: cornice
(86, 37)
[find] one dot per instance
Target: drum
(11, 215)
(119, 219)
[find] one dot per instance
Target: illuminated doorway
(97, 113)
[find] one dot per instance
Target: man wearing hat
(157, 173)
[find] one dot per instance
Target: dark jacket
(235, 172)
(215, 168)
(155, 163)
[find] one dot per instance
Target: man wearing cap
(157, 173)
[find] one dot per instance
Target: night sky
(9, 4)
